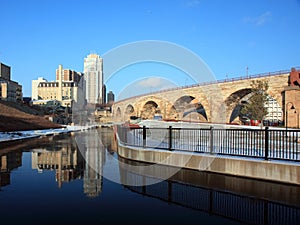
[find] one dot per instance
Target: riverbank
(22, 135)
(16, 116)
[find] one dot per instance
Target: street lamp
(297, 115)
(286, 113)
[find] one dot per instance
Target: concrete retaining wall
(287, 172)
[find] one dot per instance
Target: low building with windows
(64, 89)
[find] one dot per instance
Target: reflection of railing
(277, 73)
(258, 143)
(246, 209)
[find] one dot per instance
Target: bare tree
(255, 108)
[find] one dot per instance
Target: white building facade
(93, 79)
(34, 87)
(274, 110)
(64, 89)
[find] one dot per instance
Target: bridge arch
(181, 105)
(118, 114)
(188, 107)
(129, 111)
(234, 103)
(195, 112)
(149, 109)
(183, 101)
(237, 99)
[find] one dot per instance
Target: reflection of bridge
(238, 199)
(210, 99)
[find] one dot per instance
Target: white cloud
(154, 82)
(146, 85)
(259, 20)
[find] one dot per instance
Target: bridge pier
(291, 106)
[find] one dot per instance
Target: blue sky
(36, 36)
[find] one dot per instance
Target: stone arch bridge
(207, 102)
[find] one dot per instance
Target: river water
(79, 179)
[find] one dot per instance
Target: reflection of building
(66, 162)
(95, 158)
(64, 89)
(9, 90)
(93, 77)
(69, 163)
(8, 162)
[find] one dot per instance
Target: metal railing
(258, 143)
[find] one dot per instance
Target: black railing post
(297, 141)
(266, 212)
(144, 136)
(266, 143)
(170, 138)
(211, 140)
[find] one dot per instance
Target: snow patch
(18, 135)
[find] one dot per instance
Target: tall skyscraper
(93, 77)
(104, 94)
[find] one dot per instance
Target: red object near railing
(255, 122)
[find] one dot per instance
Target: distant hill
(19, 117)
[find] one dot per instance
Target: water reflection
(71, 162)
(60, 155)
(239, 199)
(76, 156)
(94, 155)
(80, 156)
(8, 162)
(79, 164)
(11, 156)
